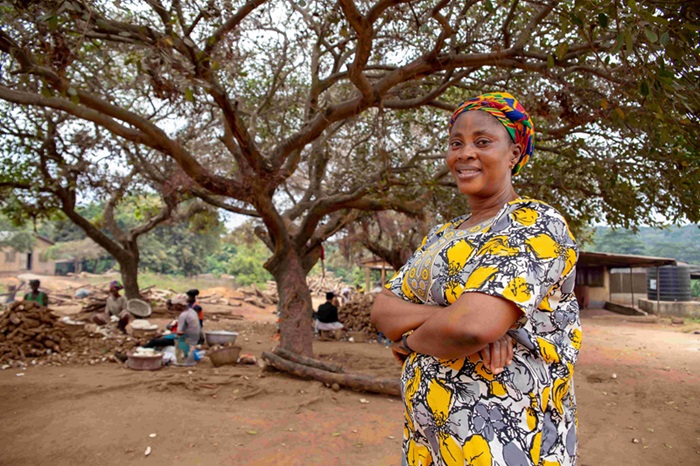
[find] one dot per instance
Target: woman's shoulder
(526, 212)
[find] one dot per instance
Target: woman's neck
(483, 209)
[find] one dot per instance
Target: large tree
(303, 112)
(50, 164)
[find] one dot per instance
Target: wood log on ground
(255, 301)
(289, 356)
(354, 381)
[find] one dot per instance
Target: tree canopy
(303, 112)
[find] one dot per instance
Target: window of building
(10, 255)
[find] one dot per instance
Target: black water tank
(674, 283)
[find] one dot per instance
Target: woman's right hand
(498, 354)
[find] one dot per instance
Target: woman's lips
(467, 173)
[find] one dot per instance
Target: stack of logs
(355, 314)
(318, 286)
(30, 332)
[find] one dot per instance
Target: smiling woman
(507, 268)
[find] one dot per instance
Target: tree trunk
(315, 363)
(294, 307)
(129, 269)
(366, 383)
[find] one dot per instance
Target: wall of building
(13, 262)
(599, 295)
(668, 308)
(41, 264)
(621, 282)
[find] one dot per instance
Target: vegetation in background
(680, 243)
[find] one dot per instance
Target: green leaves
(651, 35)
(644, 88)
(603, 20)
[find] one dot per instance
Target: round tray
(138, 307)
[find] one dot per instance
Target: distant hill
(681, 243)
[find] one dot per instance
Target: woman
(509, 266)
(36, 295)
(193, 304)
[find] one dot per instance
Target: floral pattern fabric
(456, 411)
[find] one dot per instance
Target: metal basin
(220, 337)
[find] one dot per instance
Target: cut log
(325, 366)
(354, 381)
(255, 301)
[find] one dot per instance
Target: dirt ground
(637, 385)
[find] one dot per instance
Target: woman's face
(480, 154)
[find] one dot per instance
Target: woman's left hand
(498, 354)
(399, 353)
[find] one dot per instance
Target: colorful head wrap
(115, 284)
(511, 114)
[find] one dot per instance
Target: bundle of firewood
(355, 314)
(29, 330)
(318, 286)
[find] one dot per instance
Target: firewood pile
(318, 286)
(30, 333)
(355, 314)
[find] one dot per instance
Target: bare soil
(637, 385)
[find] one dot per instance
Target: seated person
(193, 304)
(188, 328)
(179, 303)
(114, 306)
(165, 339)
(35, 295)
(328, 315)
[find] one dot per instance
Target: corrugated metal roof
(607, 259)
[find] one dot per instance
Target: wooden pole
(658, 294)
(632, 285)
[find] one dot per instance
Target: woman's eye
(482, 142)
(455, 144)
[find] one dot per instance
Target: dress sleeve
(529, 251)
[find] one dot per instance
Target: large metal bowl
(142, 362)
(220, 337)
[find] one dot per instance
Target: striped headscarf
(511, 114)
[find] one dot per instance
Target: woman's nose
(466, 152)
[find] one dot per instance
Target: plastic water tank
(674, 283)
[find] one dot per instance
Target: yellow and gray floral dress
(457, 411)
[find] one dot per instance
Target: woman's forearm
(438, 338)
(393, 316)
(465, 327)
